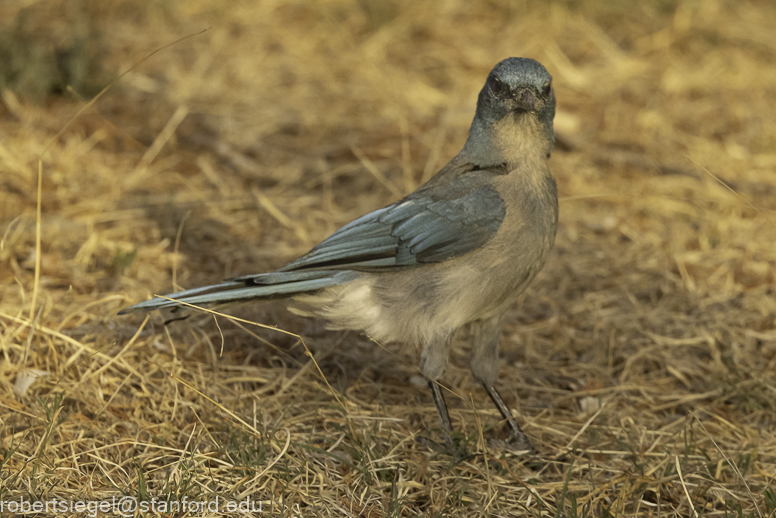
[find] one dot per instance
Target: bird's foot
(519, 442)
(430, 444)
(454, 445)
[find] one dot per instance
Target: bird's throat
(516, 138)
(520, 137)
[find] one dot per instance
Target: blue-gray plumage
(456, 252)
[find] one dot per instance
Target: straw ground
(641, 362)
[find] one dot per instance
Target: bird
(455, 253)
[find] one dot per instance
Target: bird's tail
(248, 288)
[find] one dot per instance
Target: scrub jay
(456, 252)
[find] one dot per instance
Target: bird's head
(514, 116)
(519, 86)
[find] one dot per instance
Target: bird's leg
(517, 437)
(433, 361)
(441, 406)
(485, 367)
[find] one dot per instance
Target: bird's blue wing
(428, 226)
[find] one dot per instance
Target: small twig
(686, 492)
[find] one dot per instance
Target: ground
(641, 362)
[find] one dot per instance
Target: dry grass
(642, 360)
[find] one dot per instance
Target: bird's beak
(526, 100)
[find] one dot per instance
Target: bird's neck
(516, 138)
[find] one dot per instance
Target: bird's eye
(499, 87)
(547, 89)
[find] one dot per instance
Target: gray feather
(430, 225)
(243, 289)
